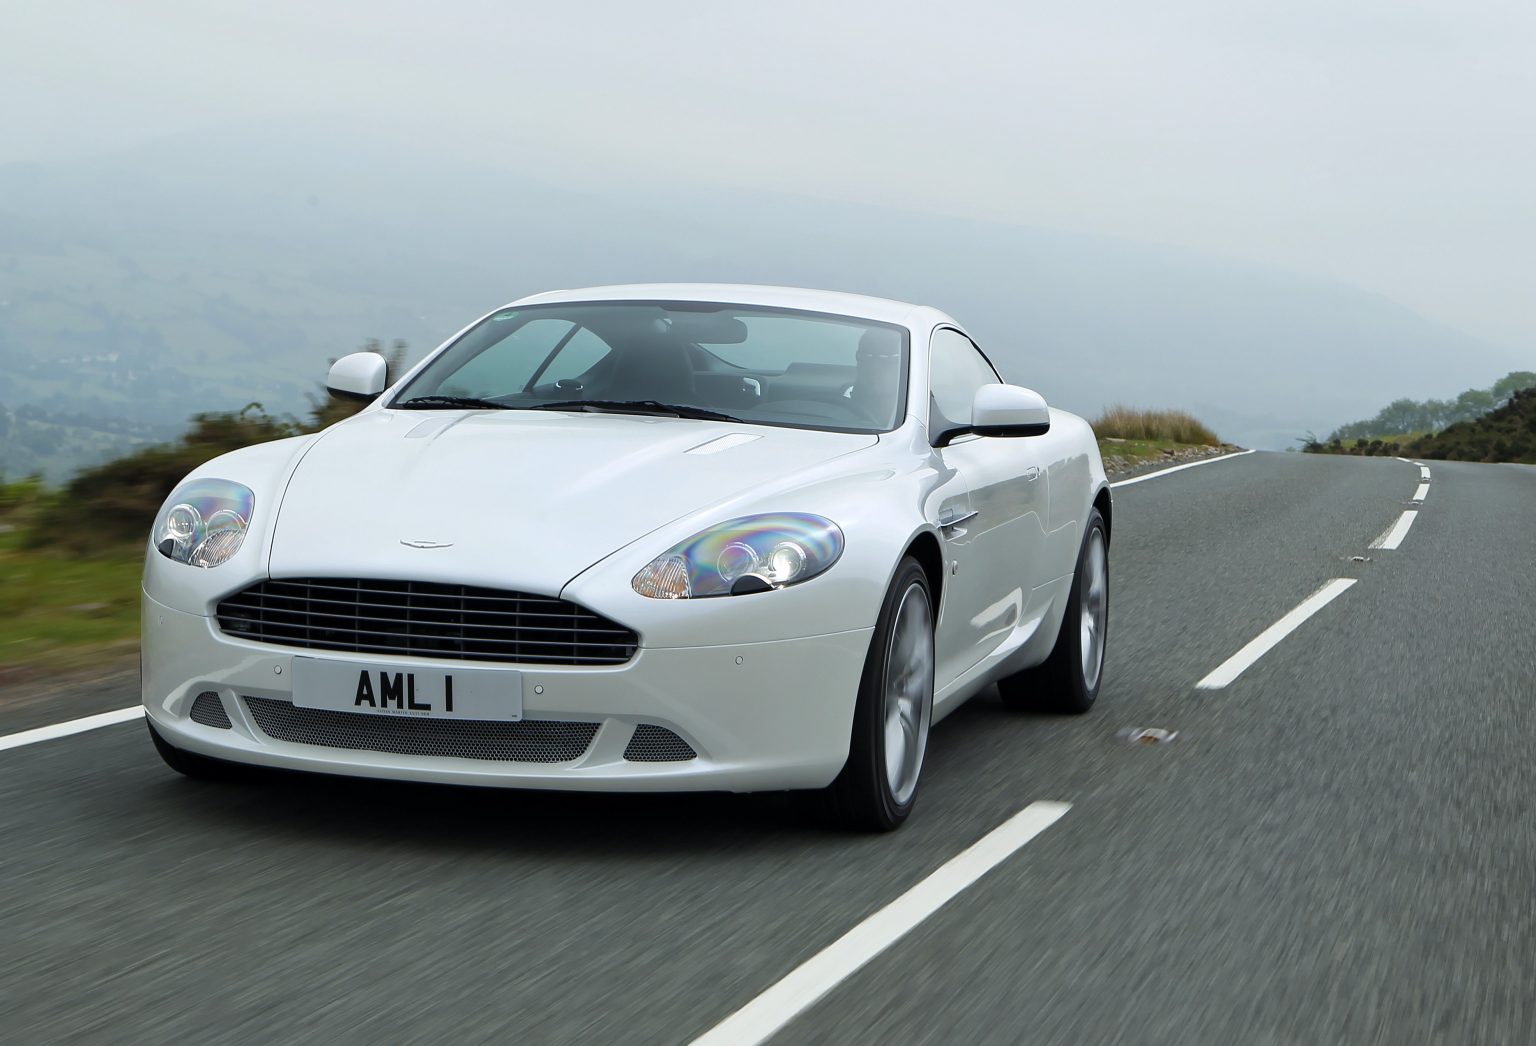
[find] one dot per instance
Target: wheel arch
(924, 547)
(1105, 504)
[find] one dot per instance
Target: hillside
(1505, 434)
(208, 271)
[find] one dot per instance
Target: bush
(1122, 422)
(115, 503)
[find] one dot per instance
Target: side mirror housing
(359, 376)
(1009, 410)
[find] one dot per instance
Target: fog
(1378, 142)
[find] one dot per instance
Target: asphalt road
(1337, 847)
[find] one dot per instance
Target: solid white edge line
(1179, 468)
(805, 984)
(1399, 530)
(73, 726)
(1422, 492)
(1270, 638)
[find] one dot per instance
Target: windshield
(760, 365)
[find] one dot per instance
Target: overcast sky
(1387, 143)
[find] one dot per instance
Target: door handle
(954, 519)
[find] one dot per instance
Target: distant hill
(205, 271)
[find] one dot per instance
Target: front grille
(657, 744)
(208, 709)
(526, 741)
(426, 619)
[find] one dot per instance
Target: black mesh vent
(426, 619)
(208, 709)
(527, 741)
(655, 744)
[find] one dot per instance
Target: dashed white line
(1422, 492)
(1423, 473)
(1268, 639)
(801, 987)
(1393, 537)
(73, 726)
(1179, 468)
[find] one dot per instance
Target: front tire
(1069, 679)
(877, 787)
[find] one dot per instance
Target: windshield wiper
(431, 402)
(677, 410)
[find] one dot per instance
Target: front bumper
(759, 716)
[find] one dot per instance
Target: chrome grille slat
(525, 741)
(425, 619)
(235, 601)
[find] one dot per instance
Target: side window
(505, 367)
(584, 351)
(956, 371)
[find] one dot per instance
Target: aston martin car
(641, 538)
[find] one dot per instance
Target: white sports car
(648, 538)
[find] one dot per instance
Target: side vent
(656, 744)
(208, 709)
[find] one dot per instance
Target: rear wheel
(1068, 681)
(188, 763)
(878, 785)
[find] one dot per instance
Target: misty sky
(1387, 143)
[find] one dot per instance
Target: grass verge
(56, 607)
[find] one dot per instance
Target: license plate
(408, 690)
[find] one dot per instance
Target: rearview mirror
(359, 376)
(1008, 410)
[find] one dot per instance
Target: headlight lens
(750, 554)
(204, 522)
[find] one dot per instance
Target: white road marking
(1423, 472)
(801, 987)
(1399, 530)
(73, 726)
(1268, 639)
(1179, 468)
(1422, 492)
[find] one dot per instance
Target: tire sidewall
(867, 755)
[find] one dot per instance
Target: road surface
(1337, 846)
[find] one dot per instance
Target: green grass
(57, 606)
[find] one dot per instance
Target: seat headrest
(879, 341)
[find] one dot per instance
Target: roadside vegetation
(70, 557)
(1404, 420)
(1130, 438)
(1495, 424)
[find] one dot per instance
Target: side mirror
(1008, 410)
(359, 376)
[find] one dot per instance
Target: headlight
(751, 554)
(204, 522)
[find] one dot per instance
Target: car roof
(837, 303)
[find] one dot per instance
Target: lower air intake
(208, 709)
(528, 741)
(656, 744)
